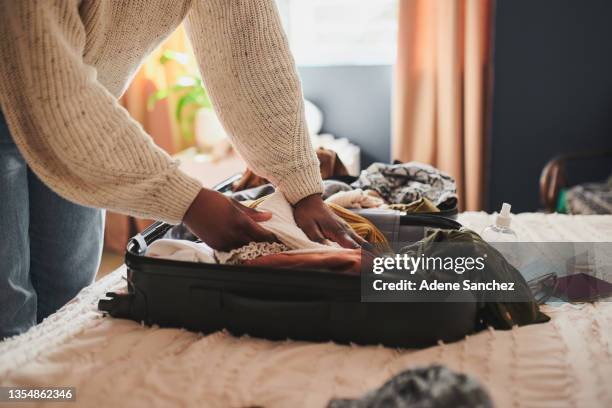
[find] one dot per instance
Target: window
(341, 32)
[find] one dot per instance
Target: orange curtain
(442, 83)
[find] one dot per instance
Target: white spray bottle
(502, 237)
(500, 231)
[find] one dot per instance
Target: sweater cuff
(177, 196)
(302, 183)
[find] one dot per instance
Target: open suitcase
(277, 303)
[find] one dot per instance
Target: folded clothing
(331, 187)
(250, 251)
(357, 198)
(359, 224)
(348, 261)
(295, 249)
(282, 224)
(181, 250)
(292, 240)
(405, 183)
(422, 205)
(262, 254)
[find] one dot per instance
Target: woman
(68, 148)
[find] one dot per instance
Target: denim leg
(17, 295)
(65, 246)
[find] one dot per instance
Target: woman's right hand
(224, 223)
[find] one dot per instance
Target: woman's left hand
(319, 223)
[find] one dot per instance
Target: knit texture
(65, 63)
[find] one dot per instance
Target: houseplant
(194, 112)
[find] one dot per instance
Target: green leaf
(184, 101)
(165, 93)
(175, 56)
(156, 97)
(202, 98)
(187, 127)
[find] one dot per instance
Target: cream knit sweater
(64, 63)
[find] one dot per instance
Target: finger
(346, 241)
(362, 242)
(365, 245)
(313, 232)
(257, 233)
(255, 215)
(339, 235)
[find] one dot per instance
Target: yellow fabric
(254, 203)
(362, 227)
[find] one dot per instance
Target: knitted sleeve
(71, 131)
(252, 80)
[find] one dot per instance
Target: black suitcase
(277, 304)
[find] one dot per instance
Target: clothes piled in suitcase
(305, 290)
(392, 189)
(294, 250)
(408, 187)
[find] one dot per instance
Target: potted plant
(194, 112)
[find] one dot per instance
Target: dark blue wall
(552, 94)
(356, 102)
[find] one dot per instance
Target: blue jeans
(50, 248)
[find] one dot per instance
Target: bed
(564, 363)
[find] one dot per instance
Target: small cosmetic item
(502, 237)
(500, 231)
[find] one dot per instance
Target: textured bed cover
(112, 362)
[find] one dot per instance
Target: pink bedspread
(564, 363)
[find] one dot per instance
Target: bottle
(500, 231)
(503, 238)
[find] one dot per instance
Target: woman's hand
(224, 223)
(319, 223)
